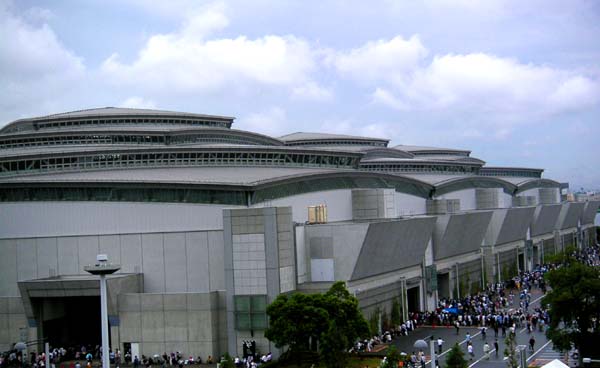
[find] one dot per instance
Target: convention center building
(209, 224)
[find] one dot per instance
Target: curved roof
(298, 137)
(536, 183)
(452, 185)
(432, 150)
(251, 137)
(112, 112)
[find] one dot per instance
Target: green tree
(331, 321)
(395, 314)
(392, 357)
(574, 306)
(456, 358)
(510, 351)
(297, 320)
(227, 361)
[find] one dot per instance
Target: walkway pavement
(448, 334)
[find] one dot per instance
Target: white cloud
(404, 78)
(32, 52)
(138, 103)
(312, 91)
(37, 72)
(189, 61)
(272, 121)
(380, 60)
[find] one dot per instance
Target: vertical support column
(104, 321)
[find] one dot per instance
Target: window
(250, 312)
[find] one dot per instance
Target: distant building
(210, 224)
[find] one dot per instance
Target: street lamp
(103, 268)
(422, 345)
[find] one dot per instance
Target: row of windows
(126, 139)
(125, 195)
(69, 123)
(336, 142)
(250, 312)
(118, 160)
(511, 172)
(440, 153)
(446, 169)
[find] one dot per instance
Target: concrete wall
(338, 202)
(46, 219)
(548, 195)
(337, 244)
(466, 197)
(373, 204)
(487, 198)
(171, 262)
(407, 204)
(259, 260)
(12, 322)
(186, 322)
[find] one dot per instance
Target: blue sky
(516, 82)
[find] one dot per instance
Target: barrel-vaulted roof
(315, 137)
(112, 112)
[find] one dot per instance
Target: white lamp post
(103, 268)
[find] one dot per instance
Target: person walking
(496, 346)
(531, 343)
(470, 350)
(440, 342)
(486, 350)
(457, 326)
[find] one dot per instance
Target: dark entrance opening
(521, 262)
(69, 321)
(412, 297)
(443, 281)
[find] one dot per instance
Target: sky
(516, 82)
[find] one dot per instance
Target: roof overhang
(453, 185)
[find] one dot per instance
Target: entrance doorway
(443, 281)
(521, 262)
(69, 321)
(413, 297)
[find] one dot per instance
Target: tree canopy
(329, 323)
(574, 306)
(456, 358)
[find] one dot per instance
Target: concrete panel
(4, 335)
(151, 302)
(589, 213)
(88, 250)
(16, 322)
(545, 218)
(407, 204)
(175, 302)
(393, 245)
(111, 246)
(131, 253)
(321, 270)
(130, 303)
(515, 224)
(153, 326)
(176, 328)
(8, 267)
(339, 204)
(199, 325)
(216, 260)
(130, 327)
(68, 256)
(451, 237)
(47, 257)
(569, 215)
(104, 218)
(153, 263)
(198, 302)
(198, 259)
(26, 259)
(175, 263)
